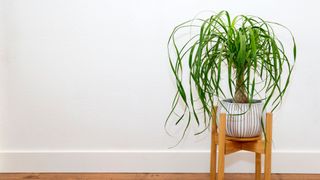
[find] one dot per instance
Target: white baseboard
(150, 161)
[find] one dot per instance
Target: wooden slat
(232, 146)
(222, 135)
(254, 146)
(213, 159)
(243, 139)
(258, 166)
(267, 161)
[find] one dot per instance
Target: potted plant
(236, 63)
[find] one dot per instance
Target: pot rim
(254, 101)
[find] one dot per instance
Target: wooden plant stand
(227, 145)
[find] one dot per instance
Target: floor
(145, 176)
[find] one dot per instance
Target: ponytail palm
(239, 58)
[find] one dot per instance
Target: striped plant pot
(242, 121)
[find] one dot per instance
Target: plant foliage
(243, 51)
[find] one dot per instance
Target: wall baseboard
(150, 161)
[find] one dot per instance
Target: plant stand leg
(222, 136)
(267, 165)
(258, 166)
(213, 160)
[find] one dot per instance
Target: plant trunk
(240, 94)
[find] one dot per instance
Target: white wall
(3, 70)
(88, 83)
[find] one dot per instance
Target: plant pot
(242, 119)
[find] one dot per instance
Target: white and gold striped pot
(243, 120)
